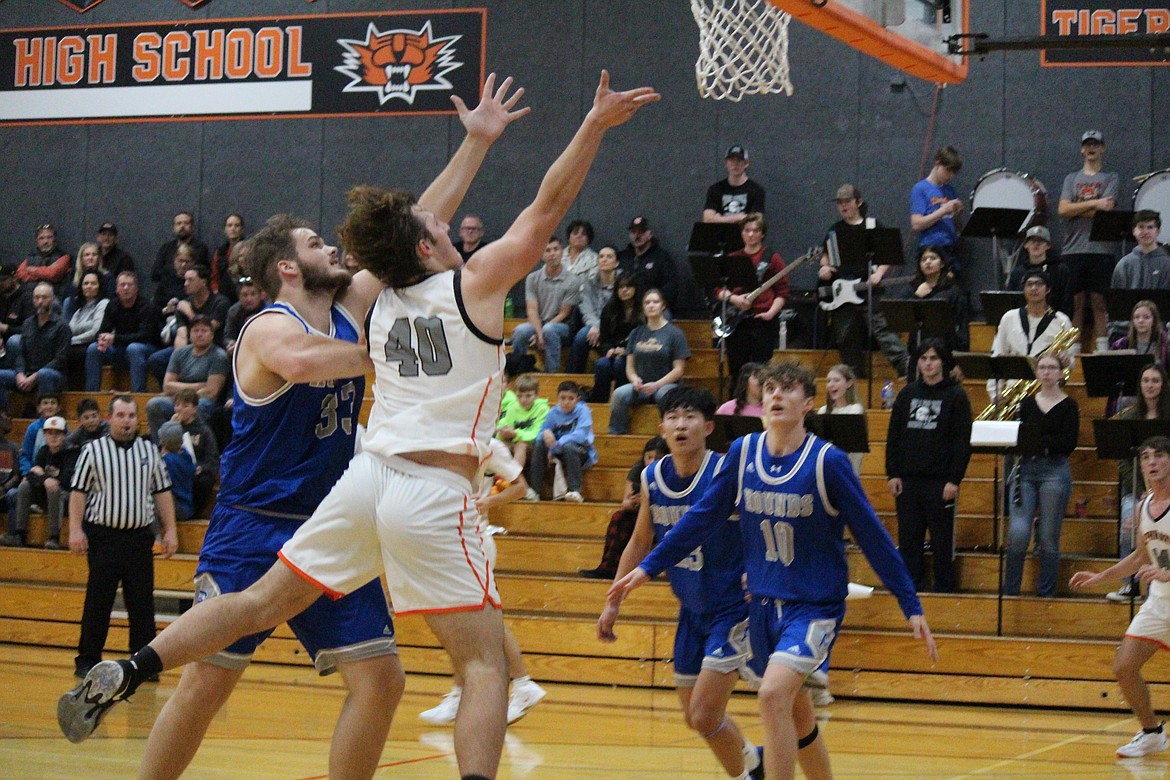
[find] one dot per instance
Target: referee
(110, 514)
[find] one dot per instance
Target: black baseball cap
(639, 224)
(108, 227)
(737, 150)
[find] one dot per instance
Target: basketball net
(743, 48)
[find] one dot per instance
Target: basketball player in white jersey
(1150, 628)
(435, 331)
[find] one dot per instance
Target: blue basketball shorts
(796, 635)
(715, 640)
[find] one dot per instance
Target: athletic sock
(476, 777)
(751, 757)
(143, 665)
(522, 680)
(1156, 730)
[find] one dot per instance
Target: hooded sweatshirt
(930, 432)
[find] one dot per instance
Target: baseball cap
(1040, 232)
(108, 227)
(170, 435)
(55, 424)
(848, 192)
(737, 150)
(1092, 135)
(6, 271)
(639, 223)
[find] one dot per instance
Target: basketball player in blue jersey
(710, 643)
(435, 332)
(795, 495)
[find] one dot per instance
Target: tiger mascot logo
(398, 63)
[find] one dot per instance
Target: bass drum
(1004, 189)
(1154, 193)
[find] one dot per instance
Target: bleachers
(1034, 651)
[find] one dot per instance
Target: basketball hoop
(743, 48)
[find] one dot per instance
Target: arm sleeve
(712, 201)
(1112, 187)
(701, 521)
(1060, 438)
(590, 307)
(61, 338)
(960, 436)
(160, 480)
(919, 200)
(760, 200)
(26, 448)
(582, 432)
(219, 363)
(83, 472)
(847, 495)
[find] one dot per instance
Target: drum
(1154, 193)
(1004, 189)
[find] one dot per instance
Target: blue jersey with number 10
(288, 450)
(708, 579)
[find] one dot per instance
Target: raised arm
(492, 271)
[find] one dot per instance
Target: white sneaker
(525, 696)
(531, 495)
(560, 486)
(446, 711)
(574, 497)
(1143, 744)
(821, 697)
(1123, 594)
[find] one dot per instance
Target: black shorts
(1089, 272)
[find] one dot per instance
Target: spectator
(114, 259)
(200, 366)
(729, 199)
(201, 445)
(45, 485)
(90, 425)
(650, 264)
(128, 336)
(756, 336)
(197, 300)
(44, 348)
(168, 289)
(1029, 330)
(1147, 267)
(183, 228)
(522, 421)
(658, 355)
(89, 258)
(1090, 263)
(48, 405)
(180, 468)
(15, 308)
(928, 446)
(620, 315)
(935, 207)
(841, 389)
(567, 437)
(1043, 482)
(1152, 403)
(932, 282)
(749, 395)
(550, 294)
(1036, 254)
(470, 236)
(89, 311)
(578, 257)
(596, 292)
(238, 261)
(1145, 337)
(222, 280)
(250, 301)
(46, 264)
(9, 474)
(621, 522)
(117, 484)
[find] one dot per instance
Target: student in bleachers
(180, 468)
(621, 522)
(657, 357)
(48, 405)
(841, 389)
(85, 323)
(1152, 403)
(45, 485)
(522, 420)
(596, 292)
(90, 425)
(566, 436)
(201, 445)
(1146, 336)
(933, 282)
(748, 400)
(619, 316)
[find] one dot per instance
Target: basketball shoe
(525, 695)
(446, 711)
(81, 710)
(1144, 743)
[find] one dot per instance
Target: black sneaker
(595, 574)
(53, 544)
(11, 540)
(81, 710)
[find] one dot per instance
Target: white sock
(518, 681)
(751, 759)
(457, 690)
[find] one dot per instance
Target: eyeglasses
(1034, 283)
(471, 229)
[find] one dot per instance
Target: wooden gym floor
(278, 723)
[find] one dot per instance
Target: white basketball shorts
(1152, 622)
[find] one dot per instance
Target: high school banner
(1109, 20)
(358, 64)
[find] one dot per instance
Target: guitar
(845, 291)
(723, 325)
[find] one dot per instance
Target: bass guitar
(845, 291)
(724, 324)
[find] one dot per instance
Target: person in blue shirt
(795, 495)
(935, 207)
(180, 468)
(710, 643)
(566, 436)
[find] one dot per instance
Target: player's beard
(332, 279)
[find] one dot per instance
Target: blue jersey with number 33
(288, 450)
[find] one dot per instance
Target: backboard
(906, 34)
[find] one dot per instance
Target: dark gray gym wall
(844, 123)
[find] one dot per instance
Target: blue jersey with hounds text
(708, 578)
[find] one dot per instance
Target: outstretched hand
(626, 585)
(496, 110)
(922, 631)
(613, 108)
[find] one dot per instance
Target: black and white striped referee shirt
(120, 482)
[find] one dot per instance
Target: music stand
(849, 432)
(729, 427)
(721, 270)
(1110, 374)
(995, 223)
(860, 252)
(980, 365)
(714, 238)
(920, 317)
(997, 303)
(1112, 226)
(1120, 303)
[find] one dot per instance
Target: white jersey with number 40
(438, 380)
